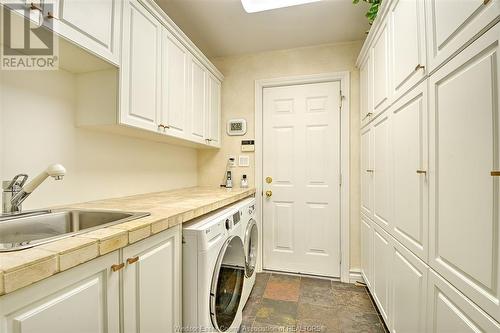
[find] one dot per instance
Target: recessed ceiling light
(254, 6)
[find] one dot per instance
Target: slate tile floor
(285, 303)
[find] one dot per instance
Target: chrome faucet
(14, 191)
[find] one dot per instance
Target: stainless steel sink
(26, 230)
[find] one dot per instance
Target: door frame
(344, 79)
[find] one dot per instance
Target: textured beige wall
(39, 113)
(238, 101)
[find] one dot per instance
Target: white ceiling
(222, 27)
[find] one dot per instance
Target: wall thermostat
(236, 127)
(247, 145)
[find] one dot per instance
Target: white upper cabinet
(92, 24)
(197, 100)
(366, 79)
(407, 47)
(380, 57)
(465, 149)
(409, 165)
(140, 75)
(174, 86)
(452, 24)
(367, 171)
(151, 284)
(214, 111)
(382, 172)
(449, 311)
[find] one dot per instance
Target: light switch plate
(244, 161)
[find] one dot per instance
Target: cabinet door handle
(130, 261)
(422, 172)
(485, 2)
(419, 67)
(161, 126)
(35, 7)
(370, 170)
(369, 114)
(166, 126)
(495, 173)
(117, 267)
(50, 16)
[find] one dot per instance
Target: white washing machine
(213, 272)
(250, 237)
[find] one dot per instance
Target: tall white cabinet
(430, 165)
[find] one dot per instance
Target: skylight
(254, 6)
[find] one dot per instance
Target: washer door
(227, 284)
(251, 247)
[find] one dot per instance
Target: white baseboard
(355, 276)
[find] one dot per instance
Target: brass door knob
(269, 194)
(269, 180)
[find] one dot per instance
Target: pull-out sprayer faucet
(16, 193)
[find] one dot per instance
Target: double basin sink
(25, 230)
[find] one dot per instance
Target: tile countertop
(170, 208)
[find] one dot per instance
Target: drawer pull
(485, 2)
(422, 172)
(117, 267)
(495, 173)
(370, 170)
(419, 67)
(130, 261)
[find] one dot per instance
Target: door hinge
(341, 100)
(340, 179)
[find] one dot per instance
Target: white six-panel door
(301, 151)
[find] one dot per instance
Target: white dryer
(213, 272)
(250, 237)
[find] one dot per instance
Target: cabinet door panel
(93, 24)
(175, 84)
(366, 250)
(407, 28)
(382, 188)
(214, 113)
(81, 300)
(450, 311)
(465, 147)
(381, 270)
(151, 296)
(367, 171)
(409, 141)
(380, 56)
(140, 71)
(452, 24)
(408, 291)
(197, 100)
(366, 83)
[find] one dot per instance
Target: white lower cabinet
(407, 292)
(151, 284)
(381, 270)
(86, 299)
(450, 312)
(81, 300)
(366, 250)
